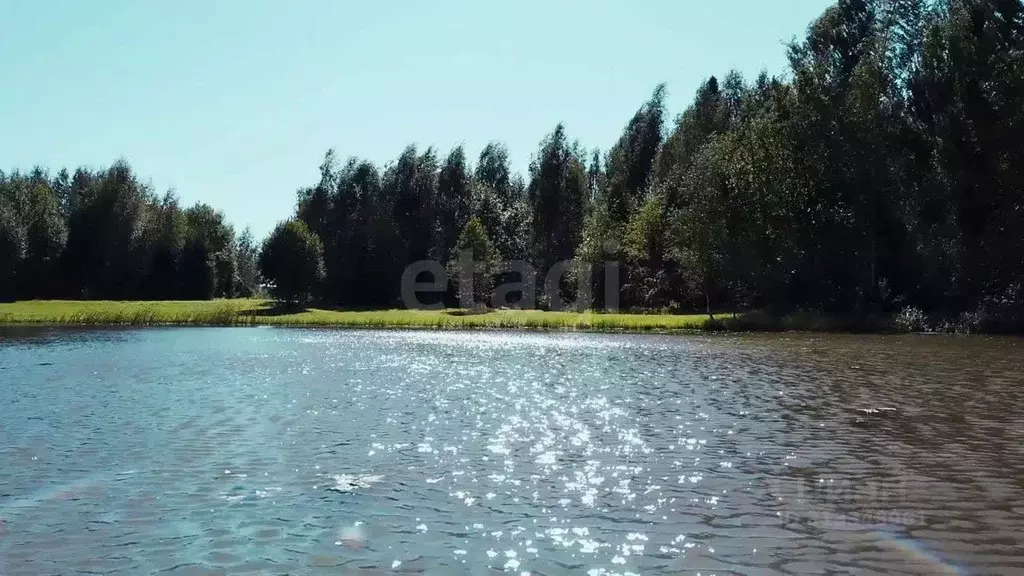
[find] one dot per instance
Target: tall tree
(454, 201)
(210, 228)
(630, 165)
(498, 199)
(694, 127)
(12, 250)
(105, 256)
(557, 195)
(411, 184)
(247, 256)
(167, 233)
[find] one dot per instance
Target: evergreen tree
(473, 265)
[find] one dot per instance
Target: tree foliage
(473, 264)
(292, 260)
(883, 169)
(104, 234)
(247, 259)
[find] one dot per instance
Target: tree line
(106, 235)
(882, 171)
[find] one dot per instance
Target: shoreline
(252, 312)
(401, 327)
(255, 312)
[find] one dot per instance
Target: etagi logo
(511, 283)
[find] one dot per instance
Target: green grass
(260, 312)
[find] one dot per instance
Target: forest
(881, 173)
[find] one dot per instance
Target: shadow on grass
(476, 310)
(462, 312)
(803, 322)
(274, 309)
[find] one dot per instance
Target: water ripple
(195, 451)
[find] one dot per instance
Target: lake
(264, 450)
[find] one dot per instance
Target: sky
(235, 102)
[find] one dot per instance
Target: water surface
(215, 451)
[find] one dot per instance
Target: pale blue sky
(235, 102)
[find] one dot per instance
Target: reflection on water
(206, 451)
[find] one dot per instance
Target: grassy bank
(243, 312)
(260, 312)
